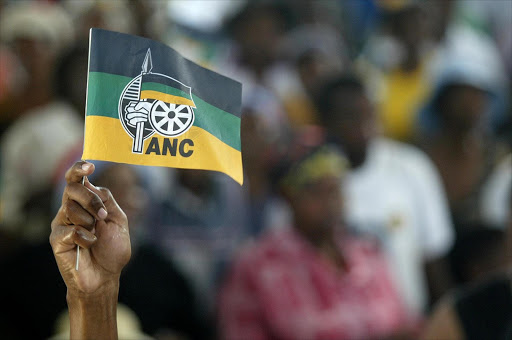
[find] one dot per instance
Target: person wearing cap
(457, 124)
(313, 280)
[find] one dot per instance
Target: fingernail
(102, 213)
(86, 166)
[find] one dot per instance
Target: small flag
(148, 105)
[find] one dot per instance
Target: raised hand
(90, 218)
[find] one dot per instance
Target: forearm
(94, 316)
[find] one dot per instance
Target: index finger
(78, 171)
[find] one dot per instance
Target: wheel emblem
(169, 119)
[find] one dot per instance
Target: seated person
(480, 310)
(314, 280)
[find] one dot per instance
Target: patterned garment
(282, 288)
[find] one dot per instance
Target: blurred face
(35, 57)
(314, 67)
(354, 125)
(463, 106)
(409, 26)
(259, 36)
(317, 207)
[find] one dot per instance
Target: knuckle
(71, 172)
(105, 191)
(65, 209)
(95, 201)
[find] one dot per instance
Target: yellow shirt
(405, 93)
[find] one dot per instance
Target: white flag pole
(77, 246)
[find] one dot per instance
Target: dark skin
(317, 219)
(258, 36)
(408, 26)
(90, 218)
(353, 123)
(459, 144)
(38, 61)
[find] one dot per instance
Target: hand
(137, 112)
(90, 218)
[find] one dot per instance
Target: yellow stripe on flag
(107, 141)
(168, 98)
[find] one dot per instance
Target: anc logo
(155, 103)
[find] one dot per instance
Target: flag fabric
(148, 105)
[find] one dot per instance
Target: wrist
(94, 315)
(108, 289)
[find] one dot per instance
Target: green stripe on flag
(103, 93)
(105, 89)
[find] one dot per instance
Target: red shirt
(283, 288)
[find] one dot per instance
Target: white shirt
(397, 195)
(495, 196)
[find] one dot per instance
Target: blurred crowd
(415, 94)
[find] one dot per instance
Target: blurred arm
(444, 323)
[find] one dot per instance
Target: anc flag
(148, 105)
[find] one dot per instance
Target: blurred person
(392, 192)
(399, 57)
(459, 136)
(465, 52)
(252, 53)
(481, 310)
(314, 280)
(36, 33)
(257, 30)
(41, 127)
(113, 15)
(198, 223)
(264, 137)
(314, 52)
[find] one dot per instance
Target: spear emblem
(147, 66)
